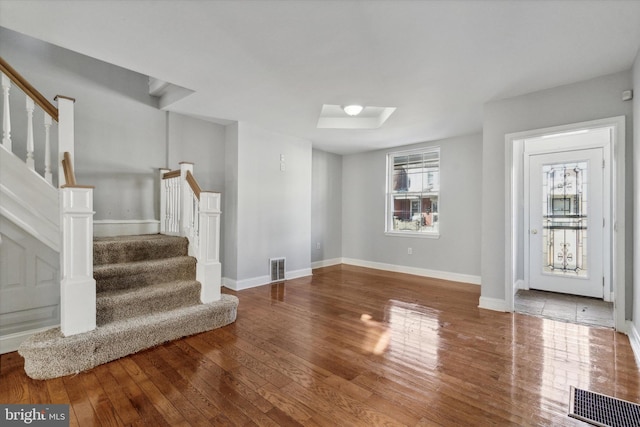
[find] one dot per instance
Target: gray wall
(201, 143)
(326, 206)
(636, 200)
(229, 217)
(119, 132)
(589, 100)
(272, 206)
(363, 202)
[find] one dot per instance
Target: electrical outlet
(317, 245)
(409, 251)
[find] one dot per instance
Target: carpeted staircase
(146, 295)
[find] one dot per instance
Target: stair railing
(75, 202)
(186, 210)
(63, 115)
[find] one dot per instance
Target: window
(413, 188)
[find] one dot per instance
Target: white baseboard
(9, 343)
(634, 340)
(494, 304)
(126, 227)
(239, 285)
(436, 274)
(295, 274)
(326, 263)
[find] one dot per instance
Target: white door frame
(514, 210)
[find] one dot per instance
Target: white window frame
(389, 194)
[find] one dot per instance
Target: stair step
(110, 277)
(121, 249)
(115, 305)
(49, 354)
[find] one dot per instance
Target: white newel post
(77, 287)
(208, 268)
(186, 204)
(65, 132)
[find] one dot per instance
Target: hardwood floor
(349, 346)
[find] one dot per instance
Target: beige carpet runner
(146, 295)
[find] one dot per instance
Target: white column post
(77, 285)
(47, 148)
(65, 132)
(30, 146)
(6, 116)
(208, 267)
(185, 198)
(163, 202)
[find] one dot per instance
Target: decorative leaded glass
(564, 213)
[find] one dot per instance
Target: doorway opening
(565, 213)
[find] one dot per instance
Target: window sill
(412, 234)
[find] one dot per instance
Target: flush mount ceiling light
(353, 110)
(335, 116)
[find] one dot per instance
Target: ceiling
(275, 63)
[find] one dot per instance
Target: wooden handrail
(193, 184)
(172, 174)
(28, 89)
(69, 175)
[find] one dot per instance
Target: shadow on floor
(566, 308)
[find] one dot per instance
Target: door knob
(534, 231)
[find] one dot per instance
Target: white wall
(583, 101)
(273, 206)
(456, 252)
(326, 207)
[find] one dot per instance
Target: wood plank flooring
(349, 346)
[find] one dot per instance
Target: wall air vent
(277, 269)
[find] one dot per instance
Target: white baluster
(185, 202)
(172, 195)
(172, 212)
(47, 148)
(195, 211)
(6, 117)
(172, 205)
(30, 106)
(163, 201)
(176, 209)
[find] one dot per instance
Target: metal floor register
(601, 410)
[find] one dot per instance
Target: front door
(566, 222)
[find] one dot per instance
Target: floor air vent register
(601, 410)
